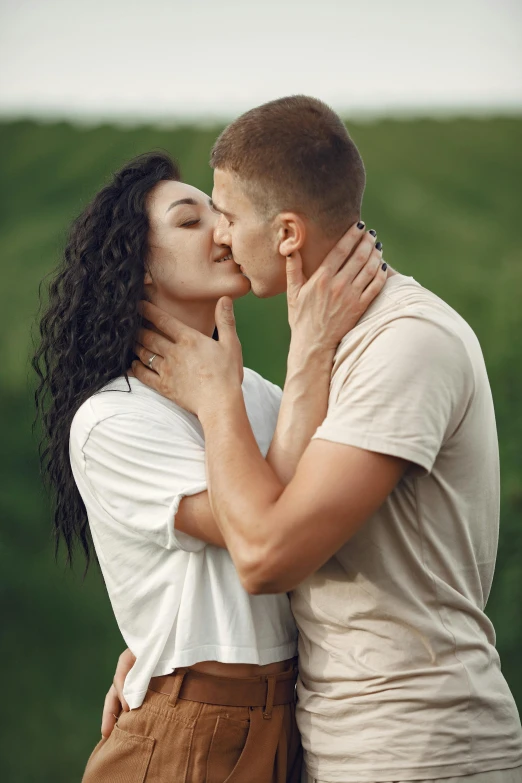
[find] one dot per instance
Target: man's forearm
(243, 487)
(303, 407)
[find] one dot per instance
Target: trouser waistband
(269, 690)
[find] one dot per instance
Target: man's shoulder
(410, 312)
(404, 297)
(413, 335)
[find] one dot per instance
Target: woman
(212, 690)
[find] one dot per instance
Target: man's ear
(291, 233)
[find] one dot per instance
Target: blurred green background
(445, 198)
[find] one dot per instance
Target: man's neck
(315, 250)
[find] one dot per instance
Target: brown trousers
(172, 739)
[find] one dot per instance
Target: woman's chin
(236, 288)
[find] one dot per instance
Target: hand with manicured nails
(189, 368)
(195, 371)
(324, 308)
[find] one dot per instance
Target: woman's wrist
(219, 401)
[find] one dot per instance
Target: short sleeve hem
(176, 539)
(139, 467)
(423, 459)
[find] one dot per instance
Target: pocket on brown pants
(226, 747)
(123, 756)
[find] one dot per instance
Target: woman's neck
(198, 315)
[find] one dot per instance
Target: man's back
(399, 675)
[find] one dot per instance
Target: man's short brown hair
(295, 154)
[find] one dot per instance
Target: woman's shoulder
(131, 403)
(257, 387)
(262, 402)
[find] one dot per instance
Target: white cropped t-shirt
(177, 600)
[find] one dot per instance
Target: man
(387, 533)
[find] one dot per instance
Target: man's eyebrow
(190, 201)
(218, 209)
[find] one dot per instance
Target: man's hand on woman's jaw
(199, 373)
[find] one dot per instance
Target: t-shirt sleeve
(274, 395)
(405, 394)
(140, 466)
(263, 400)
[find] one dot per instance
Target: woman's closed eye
(190, 223)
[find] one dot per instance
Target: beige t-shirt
(399, 676)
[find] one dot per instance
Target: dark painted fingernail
(384, 267)
(372, 232)
(360, 225)
(378, 245)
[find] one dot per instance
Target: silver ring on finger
(151, 360)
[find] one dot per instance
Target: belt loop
(270, 691)
(179, 674)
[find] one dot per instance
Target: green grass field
(445, 200)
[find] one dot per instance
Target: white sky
(163, 59)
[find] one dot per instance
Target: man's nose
(221, 232)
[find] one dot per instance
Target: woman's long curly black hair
(89, 327)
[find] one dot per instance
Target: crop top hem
(211, 652)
